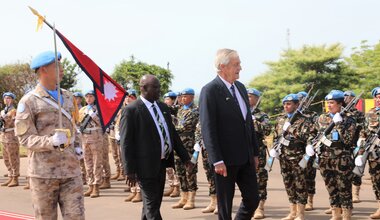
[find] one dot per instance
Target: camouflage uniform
(115, 148)
(170, 172)
(10, 142)
(293, 175)
(93, 145)
(360, 124)
(262, 129)
(186, 125)
(55, 175)
(210, 173)
(106, 160)
(336, 162)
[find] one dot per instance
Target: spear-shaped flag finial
(40, 20)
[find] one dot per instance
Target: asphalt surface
(111, 205)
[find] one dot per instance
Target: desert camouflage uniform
(186, 125)
(210, 173)
(262, 129)
(10, 142)
(55, 176)
(336, 162)
(115, 148)
(93, 145)
(170, 172)
(293, 175)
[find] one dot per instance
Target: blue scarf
(186, 107)
(290, 115)
(54, 94)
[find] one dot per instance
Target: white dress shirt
(149, 105)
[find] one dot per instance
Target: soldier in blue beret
(293, 138)
(78, 96)
(44, 59)
(335, 157)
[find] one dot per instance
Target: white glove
(197, 147)
(286, 126)
(310, 150)
(3, 115)
(92, 113)
(360, 141)
(337, 118)
(59, 138)
(117, 136)
(273, 153)
(359, 161)
(253, 117)
(79, 152)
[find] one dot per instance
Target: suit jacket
(226, 134)
(140, 141)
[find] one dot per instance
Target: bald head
(150, 87)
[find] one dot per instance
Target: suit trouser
(245, 177)
(152, 190)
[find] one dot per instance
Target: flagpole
(58, 79)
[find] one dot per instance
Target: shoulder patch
(21, 107)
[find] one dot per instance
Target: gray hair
(223, 56)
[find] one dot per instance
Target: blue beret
(13, 96)
(375, 91)
(335, 95)
(44, 59)
(170, 94)
(178, 93)
(290, 97)
(188, 91)
(132, 92)
(89, 92)
(77, 94)
(349, 93)
(302, 94)
(254, 91)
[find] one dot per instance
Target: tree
(296, 70)
(365, 60)
(71, 71)
(129, 72)
(17, 78)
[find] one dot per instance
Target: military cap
(254, 91)
(78, 94)
(89, 92)
(349, 93)
(43, 59)
(132, 92)
(290, 97)
(13, 96)
(335, 95)
(375, 91)
(188, 91)
(178, 93)
(170, 94)
(302, 94)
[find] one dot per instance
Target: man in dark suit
(229, 136)
(148, 139)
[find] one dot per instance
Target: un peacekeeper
(188, 117)
(335, 157)
(262, 129)
(9, 140)
(78, 97)
(360, 124)
(92, 144)
(54, 170)
(209, 170)
(292, 151)
(170, 99)
(311, 171)
(371, 126)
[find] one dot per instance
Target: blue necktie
(234, 95)
(163, 132)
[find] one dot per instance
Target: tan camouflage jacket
(93, 132)
(8, 134)
(261, 123)
(345, 131)
(187, 120)
(35, 124)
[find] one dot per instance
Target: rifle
(2, 121)
(258, 102)
(84, 123)
(371, 142)
(197, 149)
(280, 141)
(321, 138)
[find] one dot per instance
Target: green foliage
(129, 72)
(17, 78)
(71, 70)
(296, 70)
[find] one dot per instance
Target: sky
(186, 34)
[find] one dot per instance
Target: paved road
(111, 204)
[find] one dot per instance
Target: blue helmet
(254, 91)
(302, 94)
(349, 93)
(132, 92)
(375, 91)
(188, 91)
(170, 94)
(290, 97)
(89, 92)
(78, 94)
(44, 59)
(335, 95)
(13, 96)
